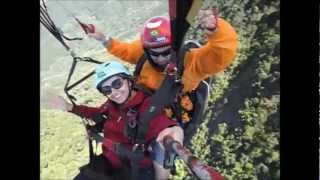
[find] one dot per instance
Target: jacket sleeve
(213, 57)
(86, 111)
(158, 124)
(129, 52)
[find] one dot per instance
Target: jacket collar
(136, 100)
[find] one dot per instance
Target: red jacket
(115, 124)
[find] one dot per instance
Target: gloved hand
(176, 132)
(99, 36)
(208, 19)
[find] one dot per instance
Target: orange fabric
(200, 63)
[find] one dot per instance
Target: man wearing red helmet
(155, 41)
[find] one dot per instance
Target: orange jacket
(200, 63)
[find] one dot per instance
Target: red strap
(88, 28)
(108, 143)
(214, 174)
(172, 9)
(203, 171)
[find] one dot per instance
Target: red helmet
(156, 32)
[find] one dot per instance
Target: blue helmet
(108, 69)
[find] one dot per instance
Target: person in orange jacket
(199, 63)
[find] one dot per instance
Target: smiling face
(116, 89)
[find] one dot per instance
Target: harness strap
(144, 89)
(139, 65)
(135, 155)
(71, 71)
(91, 154)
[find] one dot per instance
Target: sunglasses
(163, 53)
(116, 84)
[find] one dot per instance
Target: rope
(47, 22)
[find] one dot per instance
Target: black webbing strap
(48, 23)
(139, 65)
(80, 80)
(71, 71)
(91, 153)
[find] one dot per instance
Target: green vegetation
(63, 145)
(250, 151)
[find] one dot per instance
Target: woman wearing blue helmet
(122, 108)
(114, 80)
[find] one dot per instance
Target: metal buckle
(132, 118)
(140, 147)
